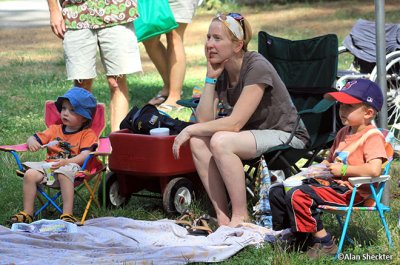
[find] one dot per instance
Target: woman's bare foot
(238, 220)
(222, 218)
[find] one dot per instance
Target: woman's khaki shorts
(119, 51)
(68, 170)
(266, 139)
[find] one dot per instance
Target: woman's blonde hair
(246, 29)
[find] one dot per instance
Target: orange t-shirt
(372, 147)
(69, 144)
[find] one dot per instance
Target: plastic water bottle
(262, 210)
(49, 173)
(266, 177)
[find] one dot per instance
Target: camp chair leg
(383, 219)
(103, 179)
(380, 208)
(92, 197)
(339, 218)
(86, 211)
(93, 189)
(346, 222)
(49, 201)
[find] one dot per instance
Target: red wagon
(145, 162)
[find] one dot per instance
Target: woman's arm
(207, 108)
(247, 103)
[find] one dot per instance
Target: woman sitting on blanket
(258, 114)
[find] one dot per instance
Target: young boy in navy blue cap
(358, 150)
(68, 145)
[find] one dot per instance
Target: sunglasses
(236, 16)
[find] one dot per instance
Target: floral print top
(95, 14)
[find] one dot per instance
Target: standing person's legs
(80, 49)
(158, 55)
(177, 63)
(119, 100)
(120, 56)
(210, 177)
(86, 84)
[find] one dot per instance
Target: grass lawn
(32, 71)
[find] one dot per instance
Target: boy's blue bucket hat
(83, 101)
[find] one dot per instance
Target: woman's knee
(197, 144)
(220, 143)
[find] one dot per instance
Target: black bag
(142, 120)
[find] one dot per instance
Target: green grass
(29, 76)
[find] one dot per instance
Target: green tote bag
(155, 18)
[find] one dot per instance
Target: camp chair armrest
(104, 148)
(358, 181)
(322, 106)
(15, 148)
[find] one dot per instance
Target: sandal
(21, 217)
(68, 218)
(168, 108)
(200, 226)
(185, 220)
(158, 99)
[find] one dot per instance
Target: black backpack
(148, 117)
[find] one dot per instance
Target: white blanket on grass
(118, 240)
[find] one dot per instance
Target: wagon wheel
(393, 91)
(113, 198)
(178, 195)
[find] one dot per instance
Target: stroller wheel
(113, 198)
(178, 195)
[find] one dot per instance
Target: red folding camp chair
(92, 168)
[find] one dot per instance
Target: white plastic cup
(291, 183)
(159, 131)
(49, 174)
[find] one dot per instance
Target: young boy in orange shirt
(70, 144)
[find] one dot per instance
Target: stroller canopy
(361, 41)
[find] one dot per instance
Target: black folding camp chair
(308, 69)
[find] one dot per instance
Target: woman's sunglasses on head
(237, 17)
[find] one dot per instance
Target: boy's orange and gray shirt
(69, 144)
(96, 14)
(372, 147)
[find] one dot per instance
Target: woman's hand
(214, 70)
(180, 139)
(33, 144)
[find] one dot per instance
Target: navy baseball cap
(83, 101)
(359, 91)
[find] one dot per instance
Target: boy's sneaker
(318, 250)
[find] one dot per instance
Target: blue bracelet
(210, 80)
